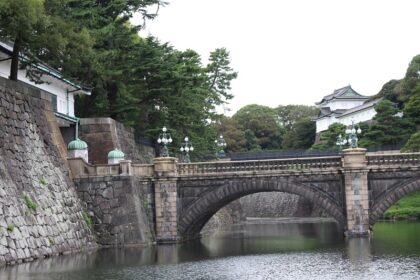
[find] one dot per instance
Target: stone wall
(121, 208)
(277, 204)
(104, 134)
(40, 213)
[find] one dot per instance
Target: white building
(62, 90)
(343, 106)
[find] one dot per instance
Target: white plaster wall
(360, 116)
(341, 104)
(51, 85)
(324, 123)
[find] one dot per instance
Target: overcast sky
(297, 51)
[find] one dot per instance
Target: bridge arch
(395, 193)
(193, 218)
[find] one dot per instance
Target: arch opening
(391, 197)
(193, 219)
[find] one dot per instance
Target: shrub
(29, 202)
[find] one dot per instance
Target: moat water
(259, 249)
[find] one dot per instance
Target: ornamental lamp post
(351, 136)
(164, 139)
(352, 132)
(341, 141)
(221, 144)
(186, 148)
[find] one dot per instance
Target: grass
(29, 202)
(406, 208)
(10, 227)
(87, 218)
(43, 181)
(51, 240)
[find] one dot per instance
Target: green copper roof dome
(116, 154)
(77, 145)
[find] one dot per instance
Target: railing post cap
(354, 151)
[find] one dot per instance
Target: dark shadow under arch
(196, 215)
(392, 196)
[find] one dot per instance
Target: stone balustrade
(80, 168)
(401, 159)
(187, 169)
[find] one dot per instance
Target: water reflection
(251, 251)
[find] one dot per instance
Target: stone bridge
(355, 189)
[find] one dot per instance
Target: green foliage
(141, 82)
(288, 115)
(51, 241)
(43, 181)
(233, 134)
(412, 106)
(10, 227)
(261, 121)
(87, 218)
(38, 28)
(300, 136)
(251, 141)
(388, 127)
(413, 144)
(328, 138)
(406, 207)
(29, 202)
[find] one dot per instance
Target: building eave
(78, 88)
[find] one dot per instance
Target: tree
(261, 120)
(19, 21)
(220, 75)
(328, 138)
(289, 114)
(233, 134)
(412, 106)
(413, 144)
(251, 141)
(388, 127)
(301, 135)
(38, 31)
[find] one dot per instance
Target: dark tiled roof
(342, 93)
(326, 111)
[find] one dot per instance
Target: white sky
(297, 51)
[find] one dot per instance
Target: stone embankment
(121, 208)
(277, 204)
(40, 212)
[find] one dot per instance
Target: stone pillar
(356, 192)
(166, 200)
(125, 167)
(83, 153)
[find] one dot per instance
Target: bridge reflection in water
(255, 250)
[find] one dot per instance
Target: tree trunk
(112, 90)
(14, 67)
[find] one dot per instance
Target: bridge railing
(259, 165)
(80, 168)
(401, 159)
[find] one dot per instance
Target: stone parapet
(165, 166)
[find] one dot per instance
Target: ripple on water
(283, 266)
